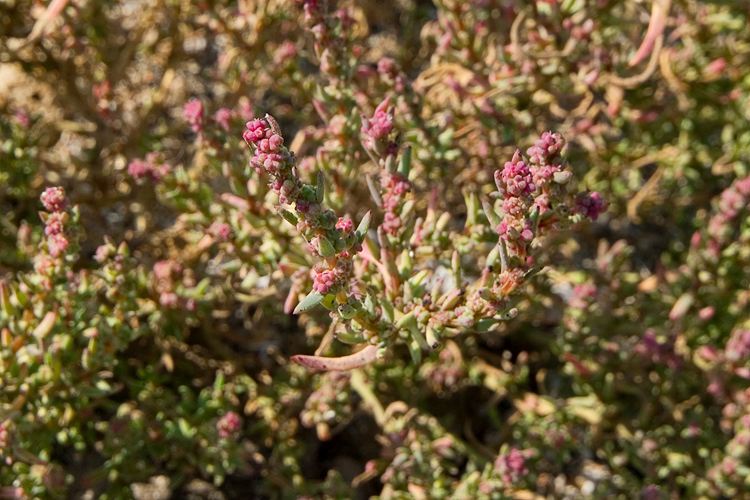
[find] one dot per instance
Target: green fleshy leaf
(320, 188)
(363, 227)
(312, 300)
(404, 166)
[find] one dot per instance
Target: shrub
(444, 250)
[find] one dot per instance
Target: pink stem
(344, 363)
(655, 28)
(53, 10)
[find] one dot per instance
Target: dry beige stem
(644, 193)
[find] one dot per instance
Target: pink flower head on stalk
(55, 223)
(387, 66)
(57, 243)
(152, 167)
(546, 149)
(6, 437)
(246, 111)
(165, 270)
(590, 205)
(310, 8)
(222, 117)
(316, 224)
(324, 281)
(285, 52)
(515, 178)
(139, 169)
(345, 225)
(55, 203)
(228, 425)
(22, 118)
(267, 158)
(103, 253)
(511, 466)
(53, 199)
(377, 128)
(220, 230)
(394, 188)
(193, 114)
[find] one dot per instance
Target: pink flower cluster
(515, 179)
(6, 438)
(267, 143)
(166, 275)
(511, 466)
(286, 52)
(228, 425)
(152, 167)
(222, 117)
(327, 236)
(377, 128)
(328, 278)
(310, 8)
(22, 118)
(324, 281)
(220, 230)
(394, 187)
(193, 114)
(55, 203)
(590, 205)
(53, 199)
(270, 157)
(345, 225)
(515, 183)
(532, 189)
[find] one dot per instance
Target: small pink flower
(55, 223)
(222, 117)
(546, 148)
(57, 243)
(285, 52)
(6, 437)
(515, 178)
(169, 300)
(103, 253)
(165, 269)
(324, 281)
(53, 199)
(246, 111)
(511, 466)
(590, 205)
(387, 66)
(345, 225)
(22, 118)
(715, 67)
(377, 128)
(193, 114)
(151, 168)
(220, 230)
(228, 425)
(139, 169)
